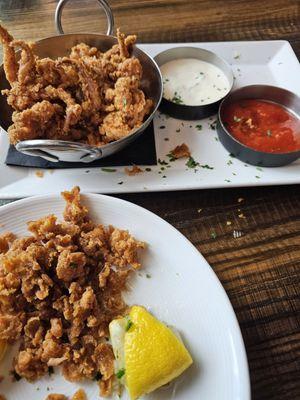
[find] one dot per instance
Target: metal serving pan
(59, 46)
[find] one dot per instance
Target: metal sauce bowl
(245, 153)
(186, 112)
(59, 46)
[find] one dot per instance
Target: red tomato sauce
(263, 126)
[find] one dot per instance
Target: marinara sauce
(263, 126)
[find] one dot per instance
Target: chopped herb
(269, 133)
(257, 177)
(120, 183)
(124, 102)
(205, 166)
(227, 180)
(213, 235)
(98, 376)
(87, 171)
(48, 389)
(120, 373)
(162, 168)
(198, 127)
(191, 163)
(234, 173)
(233, 156)
(171, 157)
(213, 125)
(177, 99)
(159, 172)
(216, 139)
(237, 56)
(162, 162)
(259, 169)
(148, 276)
(162, 127)
(50, 370)
(166, 139)
(178, 130)
(236, 119)
(164, 176)
(229, 162)
(108, 169)
(17, 376)
(148, 169)
(129, 324)
(238, 69)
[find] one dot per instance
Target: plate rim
(240, 346)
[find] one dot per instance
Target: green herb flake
(199, 127)
(216, 139)
(148, 169)
(120, 183)
(213, 125)
(269, 133)
(166, 139)
(108, 169)
(162, 127)
(237, 56)
(164, 176)
(162, 168)
(227, 180)
(129, 324)
(120, 373)
(205, 166)
(148, 276)
(232, 155)
(259, 169)
(171, 157)
(213, 235)
(162, 162)
(257, 177)
(234, 173)
(177, 99)
(191, 163)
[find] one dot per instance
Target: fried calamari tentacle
(9, 58)
(21, 97)
(125, 43)
(31, 123)
(27, 63)
(73, 110)
(89, 87)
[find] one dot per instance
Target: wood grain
(260, 270)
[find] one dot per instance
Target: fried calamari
(59, 290)
(90, 96)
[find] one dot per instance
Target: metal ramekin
(186, 112)
(245, 153)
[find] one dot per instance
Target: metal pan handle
(103, 3)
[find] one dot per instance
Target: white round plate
(176, 284)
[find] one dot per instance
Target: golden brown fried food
(59, 290)
(89, 96)
(181, 151)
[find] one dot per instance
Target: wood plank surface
(260, 270)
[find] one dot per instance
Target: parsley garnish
(198, 127)
(108, 169)
(148, 169)
(148, 276)
(191, 163)
(120, 183)
(162, 162)
(213, 125)
(213, 235)
(206, 166)
(128, 325)
(120, 373)
(171, 156)
(177, 98)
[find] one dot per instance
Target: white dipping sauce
(193, 82)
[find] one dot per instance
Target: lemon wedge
(148, 354)
(3, 347)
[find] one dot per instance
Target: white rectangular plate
(261, 62)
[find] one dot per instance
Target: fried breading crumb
(39, 174)
(79, 395)
(56, 396)
(133, 171)
(59, 290)
(181, 151)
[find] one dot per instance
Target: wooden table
(261, 270)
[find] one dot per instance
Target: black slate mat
(141, 152)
